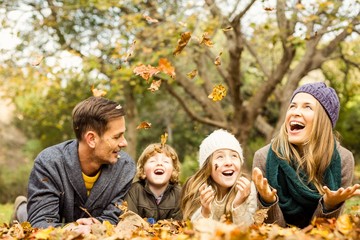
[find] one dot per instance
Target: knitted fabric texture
(326, 96)
(219, 139)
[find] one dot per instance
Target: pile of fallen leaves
(131, 226)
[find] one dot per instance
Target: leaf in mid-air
(98, 92)
(166, 67)
(217, 61)
(192, 74)
(218, 93)
(146, 72)
(150, 19)
(154, 85)
(185, 37)
(144, 125)
(163, 139)
(206, 40)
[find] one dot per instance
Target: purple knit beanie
(326, 96)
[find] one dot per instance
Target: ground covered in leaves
(133, 227)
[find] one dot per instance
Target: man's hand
(267, 194)
(333, 198)
(87, 221)
(207, 194)
(243, 186)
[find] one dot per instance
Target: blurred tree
(258, 50)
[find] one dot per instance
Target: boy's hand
(207, 194)
(267, 194)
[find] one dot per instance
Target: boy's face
(158, 170)
(225, 168)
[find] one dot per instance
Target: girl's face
(299, 118)
(158, 170)
(225, 168)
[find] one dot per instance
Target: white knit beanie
(219, 139)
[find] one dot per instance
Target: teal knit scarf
(297, 196)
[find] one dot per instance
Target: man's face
(109, 145)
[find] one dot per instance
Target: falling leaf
(154, 85)
(183, 24)
(166, 67)
(269, 9)
(97, 92)
(192, 74)
(150, 20)
(130, 51)
(144, 125)
(218, 93)
(217, 61)
(206, 40)
(37, 60)
(185, 37)
(227, 29)
(299, 6)
(146, 72)
(163, 139)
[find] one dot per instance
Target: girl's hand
(267, 194)
(87, 221)
(243, 186)
(333, 198)
(207, 194)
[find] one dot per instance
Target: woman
(304, 172)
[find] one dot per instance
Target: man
(84, 179)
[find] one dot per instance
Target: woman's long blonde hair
(317, 151)
(190, 197)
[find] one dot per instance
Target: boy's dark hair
(94, 114)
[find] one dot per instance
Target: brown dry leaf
(163, 139)
(260, 216)
(192, 74)
(98, 92)
(154, 85)
(146, 72)
(129, 223)
(150, 20)
(36, 60)
(206, 40)
(185, 37)
(217, 61)
(227, 29)
(144, 125)
(130, 51)
(218, 93)
(166, 67)
(269, 9)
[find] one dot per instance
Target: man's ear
(90, 138)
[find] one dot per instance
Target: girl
(217, 189)
(305, 173)
(156, 195)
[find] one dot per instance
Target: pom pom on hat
(219, 139)
(326, 96)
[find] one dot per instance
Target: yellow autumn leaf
(154, 85)
(44, 233)
(344, 224)
(218, 93)
(163, 139)
(192, 74)
(98, 92)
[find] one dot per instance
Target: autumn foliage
(131, 226)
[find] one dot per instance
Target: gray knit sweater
(57, 193)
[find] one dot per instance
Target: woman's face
(299, 118)
(225, 168)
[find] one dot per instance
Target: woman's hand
(267, 194)
(243, 186)
(207, 194)
(333, 198)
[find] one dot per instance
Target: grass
(5, 212)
